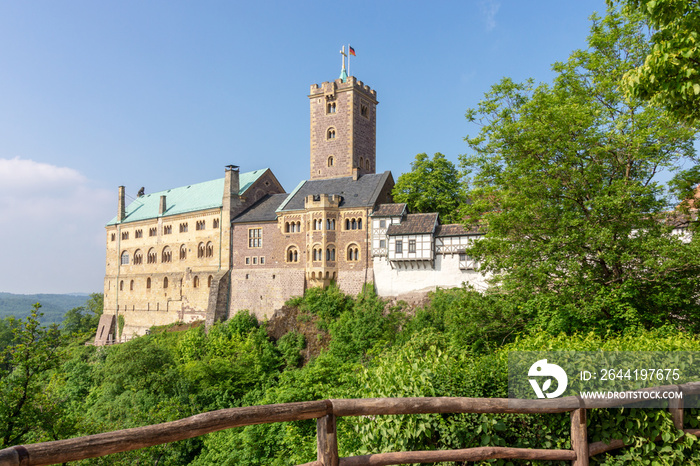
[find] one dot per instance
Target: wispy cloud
(489, 9)
(52, 228)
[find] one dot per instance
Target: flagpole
(349, 60)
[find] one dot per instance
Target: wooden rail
(327, 411)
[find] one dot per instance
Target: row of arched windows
(195, 283)
(365, 163)
(353, 224)
(292, 227)
(352, 253)
(166, 256)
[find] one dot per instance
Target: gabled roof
(191, 198)
(264, 210)
(390, 210)
(456, 229)
(362, 192)
(414, 224)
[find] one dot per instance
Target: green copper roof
(192, 198)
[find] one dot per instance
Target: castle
(208, 250)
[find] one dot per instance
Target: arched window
(125, 258)
(200, 250)
(318, 254)
(209, 280)
(292, 254)
(286, 227)
(330, 134)
(152, 256)
(131, 286)
(148, 283)
(330, 224)
(354, 224)
(210, 249)
(367, 164)
(165, 282)
(330, 253)
(138, 257)
(121, 285)
(359, 224)
(215, 223)
(330, 161)
(347, 223)
(167, 255)
(183, 252)
(362, 162)
(196, 282)
(330, 108)
(353, 253)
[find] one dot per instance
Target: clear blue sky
(160, 94)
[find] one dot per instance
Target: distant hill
(54, 306)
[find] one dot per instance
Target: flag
(352, 51)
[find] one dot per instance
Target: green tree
(84, 319)
(432, 185)
(670, 75)
(33, 352)
(562, 175)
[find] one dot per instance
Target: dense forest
(324, 345)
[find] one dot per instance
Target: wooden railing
(327, 411)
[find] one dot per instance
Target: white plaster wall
(394, 282)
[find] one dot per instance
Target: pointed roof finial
(343, 73)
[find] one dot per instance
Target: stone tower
(343, 129)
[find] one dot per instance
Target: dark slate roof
(362, 192)
(390, 210)
(414, 224)
(263, 210)
(456, 229)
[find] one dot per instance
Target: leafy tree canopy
(562, 175)
(432, 185)
(670, 75)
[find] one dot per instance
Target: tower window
(330, 107)
(364, 110)
(330, 134)
(330, 161)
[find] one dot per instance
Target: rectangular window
(411, 245)
(382, 224)
(382, 243)
(247, 261)
(262, 260)
(399, 247)
(255, 261)
(255, 238)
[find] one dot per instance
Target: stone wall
(262, 291)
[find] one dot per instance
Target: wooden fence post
(327, 441)
(675, 406)
(579, 437)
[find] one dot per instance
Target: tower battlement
(330, 87)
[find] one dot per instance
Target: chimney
(232, 183)
(355, 173)
(232, 199)
(163, 207)
(121, 208)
